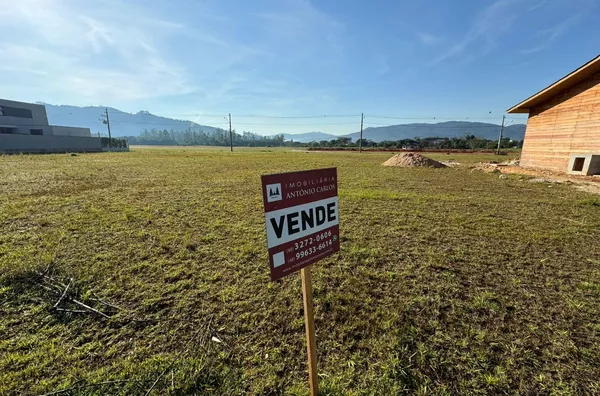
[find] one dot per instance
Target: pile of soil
(413, 159)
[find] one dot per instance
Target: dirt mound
(412, 159)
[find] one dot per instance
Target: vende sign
(302, 218)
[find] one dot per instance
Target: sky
(266, 61)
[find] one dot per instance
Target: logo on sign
(274, 192)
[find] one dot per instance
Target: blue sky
(195, 59)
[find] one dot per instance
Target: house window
(36, 131)
(8, 111)
(7, 131)
(578, 164)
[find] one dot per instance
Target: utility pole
(500, 138)
(107, 122)
(362, 118)
(230, 134)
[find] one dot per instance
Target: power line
(297, 125)
(300, 117)
(431, 118)
(433, 126)
(122, 122)
(192, 124)
(318, 121)
(252, 115)
(322, 116)
(116, 115)
(185, 115)
(170, 123)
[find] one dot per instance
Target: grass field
(448, 281)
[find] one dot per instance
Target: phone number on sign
(309, 241)
(313, 249)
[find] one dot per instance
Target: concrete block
(584, 164)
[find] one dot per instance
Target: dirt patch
(511, 162)
(593, 188)
(545, 180)
(411, 160)
(451, 163)
(590, 184)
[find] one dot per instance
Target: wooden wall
(567, 124)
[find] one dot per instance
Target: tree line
(113, 142)
(467, 142)
(192, 137)
(220, 137)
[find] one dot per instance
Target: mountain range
(450, 129)
(122, 123)
(128, 124)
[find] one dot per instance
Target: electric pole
(106, 120)
(500, 138)
(230, 134)
(362, 118)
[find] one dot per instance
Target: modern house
(24, 128)
(563, 130)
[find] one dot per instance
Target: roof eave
(566, 82)
(517, 110)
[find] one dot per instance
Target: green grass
(448, 281)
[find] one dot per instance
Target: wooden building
(563, 130)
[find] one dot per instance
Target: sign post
(302, 221)
(309, 324)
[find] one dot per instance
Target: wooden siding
(567, 124)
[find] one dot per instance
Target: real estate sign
(302, 218)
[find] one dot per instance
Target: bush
(113, 142)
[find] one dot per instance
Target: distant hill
(127, 124)
(448, 129)
(122, 123)
(309, 137)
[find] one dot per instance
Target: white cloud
(550, 35)
(499, 19)
(298, 18)
(105, 52)
(380, 62)
(492, 23)
(129, 55)
(535, 6)
(428, 39)
(298, 28)
(174, 59)
(288, 35)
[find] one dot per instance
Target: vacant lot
(448, 281)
